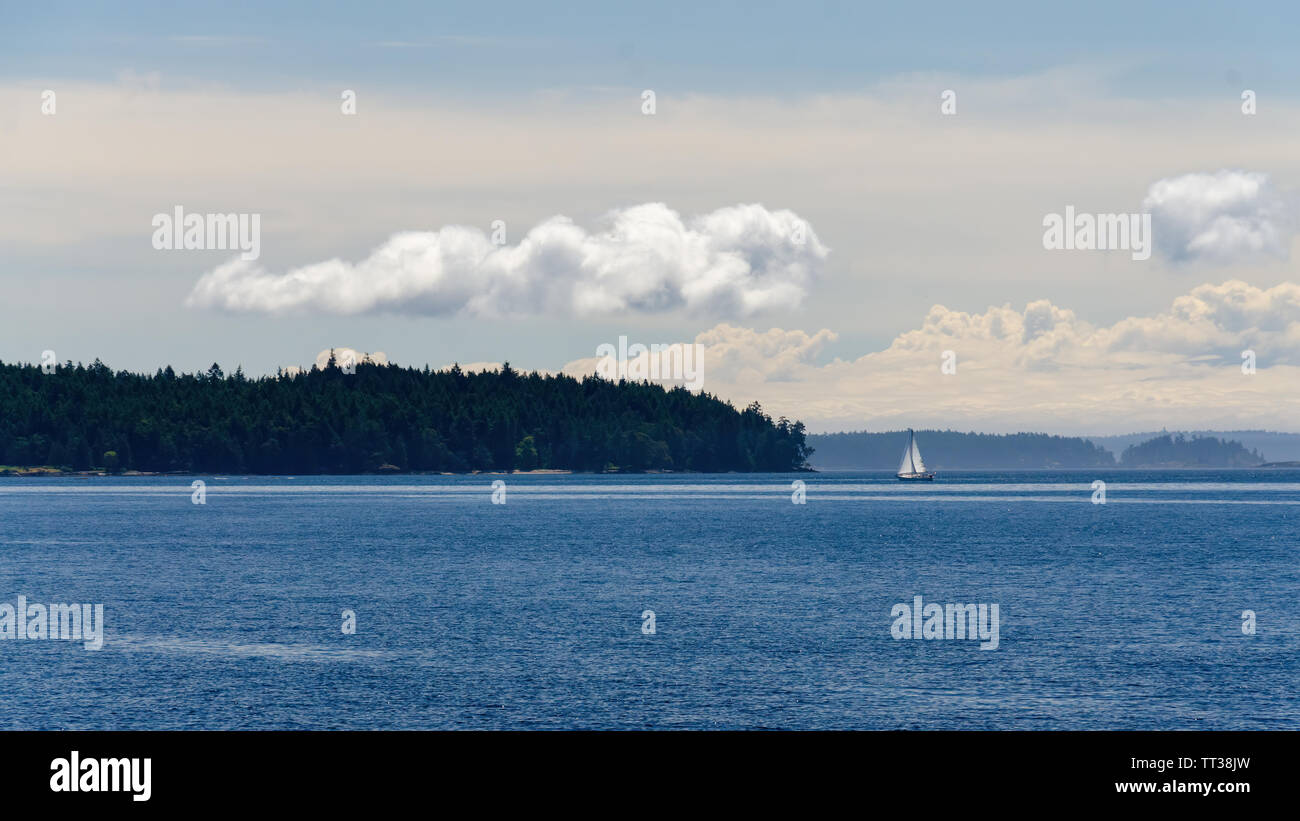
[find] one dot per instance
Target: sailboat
(912, 469)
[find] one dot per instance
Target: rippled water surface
(767, 614)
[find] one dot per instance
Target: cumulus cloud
(1220, 218)
(1212, 321)
(743, 355)
(342, 356)
(752, 356)
(735, 261)
(350, 355)
(1037, 368)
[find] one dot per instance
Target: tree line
(954, 450)
(378, 418)
(1198, 451)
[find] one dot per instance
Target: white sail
(912, 462)
(918, 465)
(912, 468)
(906, 465)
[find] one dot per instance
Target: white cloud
(1040, 368)
(918, 208)
(1220, 218)
(735, 261)
(341, 355)
(754, 357)
(350, 355)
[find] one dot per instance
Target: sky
(843, 204)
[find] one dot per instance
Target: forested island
(381, 418)
(1275, 446)
(1183, 452)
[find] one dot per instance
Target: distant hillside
(1180, 451)
(1272, 446)
(953, 450)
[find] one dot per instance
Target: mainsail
(912, 462)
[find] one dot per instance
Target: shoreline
(41, 472)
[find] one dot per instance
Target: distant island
(1272, 445)
(380, 418)
(1197, 451)
(955, 450)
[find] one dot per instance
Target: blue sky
(509, 47)
(769, 115)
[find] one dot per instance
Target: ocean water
(767, 614)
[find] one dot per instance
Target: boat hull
(915, 477)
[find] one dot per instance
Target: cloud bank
(1036, 368)
(735, 261)
(1220, 218)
